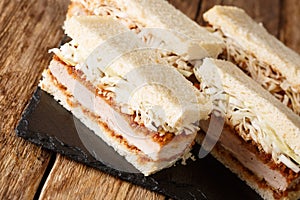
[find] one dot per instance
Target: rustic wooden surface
(290, 26)
(190, 8)
(27, 30)
(70, 180)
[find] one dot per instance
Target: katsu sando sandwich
(152, 125)
(260, 139)
(259, 54)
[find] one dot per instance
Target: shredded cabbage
(180, 62)
(116, 13)
(67, 53)
(251, 127)
(263, 73)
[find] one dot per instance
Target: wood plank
(71, 180)
(267, 11)
(28, 29)
(190, 8)
(290, 26)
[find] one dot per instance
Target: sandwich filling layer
(261, 164)
(270, 78)
(100, 102)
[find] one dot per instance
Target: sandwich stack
(155, 125)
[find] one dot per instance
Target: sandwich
(140, 14)
(259, 54)
(260, 138)
(128, 83)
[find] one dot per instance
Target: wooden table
(28, 29)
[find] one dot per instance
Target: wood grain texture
(290, 24)
(27, 30)
(190, 8)
(70, 180)
(266, 11)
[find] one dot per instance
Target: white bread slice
(254, 38)
(161, 14)
(90, 31)
(283, 121)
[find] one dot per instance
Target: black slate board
(46, 123)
